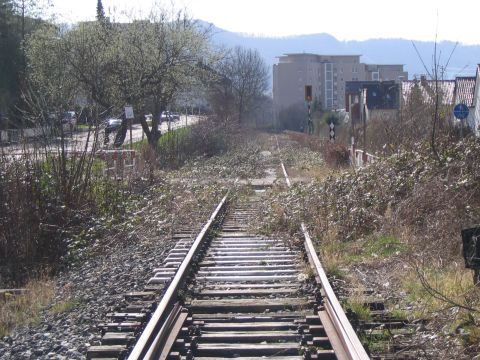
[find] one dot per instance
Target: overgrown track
(234, 294)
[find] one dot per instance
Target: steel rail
(353, 348)
(168, 333)
(162, 311)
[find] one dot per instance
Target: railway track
(231, 293)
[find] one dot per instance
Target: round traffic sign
(460, 111)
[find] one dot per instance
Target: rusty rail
(352, 346)
(349, 346)
(149, 337)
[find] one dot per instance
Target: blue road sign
(460, 111)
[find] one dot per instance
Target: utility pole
(308, 99)
(352, 121)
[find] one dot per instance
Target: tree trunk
(240, 110)
(153, 134)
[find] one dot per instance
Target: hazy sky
(346, 20)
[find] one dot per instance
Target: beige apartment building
(327, 75)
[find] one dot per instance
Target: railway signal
(332, 131)
(308, 93)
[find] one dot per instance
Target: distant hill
(376, 51)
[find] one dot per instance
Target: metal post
(131, 140)
(352, 125)
(363, 115)
(309, 118)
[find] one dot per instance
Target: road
(79, 140)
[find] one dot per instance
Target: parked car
(70, 118)
(112, 124)
(61, 122)
(169, 116)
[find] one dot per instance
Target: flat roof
(311, 54)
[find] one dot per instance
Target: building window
(375, 76)
(328, 85)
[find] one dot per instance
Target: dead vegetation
(24, 308)
(125, 213)
(401, 215)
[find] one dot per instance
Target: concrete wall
(383, 115)
(385, 72)
(33, 132)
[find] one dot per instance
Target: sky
(344, 19)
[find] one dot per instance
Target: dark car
(169, 116)
(112, 124)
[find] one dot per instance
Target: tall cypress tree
(10, 56)
(100, 11)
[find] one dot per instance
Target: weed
(24, 309)
(64, 306)
(334, 270)
(432, 287)
(309, 273)
(383, 246)
(469, 327)
(358, 307)
(399, 314)
(376, 341)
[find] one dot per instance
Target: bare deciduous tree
(248, 75)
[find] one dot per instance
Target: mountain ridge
(463, 61)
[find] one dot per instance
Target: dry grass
(337, 254)
(21, 310)
(435, 289)
(334, 155)
(446, 295)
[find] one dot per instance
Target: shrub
(336, 155)
(47, 197)
(293, 118)
(206, 138)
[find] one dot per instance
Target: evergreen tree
(9, 56)
(100, 11)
